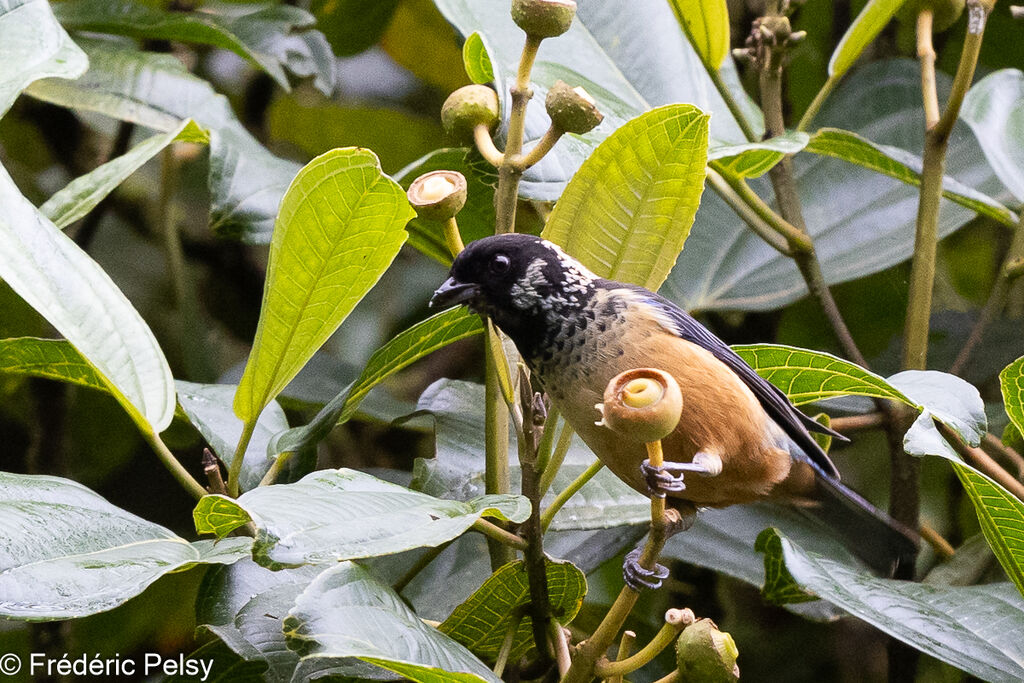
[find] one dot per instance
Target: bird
(739, 438)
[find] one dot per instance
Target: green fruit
(572, 110)
(706, 655)
(543, 18)
(468, 107)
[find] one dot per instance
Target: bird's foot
(669, 477)
(638, 577)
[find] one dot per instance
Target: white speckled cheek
(524, 291)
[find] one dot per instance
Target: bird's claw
(638, 577)
(660, 480)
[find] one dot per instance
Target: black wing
(794, 423)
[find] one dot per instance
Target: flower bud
(572, 110)
(643, 404)
(543, 18)
(438, 195)
(468, 107)
(706, 655)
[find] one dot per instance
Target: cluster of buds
(771, 37)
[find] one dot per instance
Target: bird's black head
(524, 283)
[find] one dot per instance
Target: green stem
(485, 145)
(176, 469)
(815, 106)
(506, 644)
(421, 564)
(797, 240)
(496, 533)
(547, 441)
(555, 462)
(926, 56)
(543, 146)
(275, 469)
(922, 269)
(731, 103)
(749, 216)
(571, 490)
(665, 637)
(452, 236)
(508, 173)
(236, 460)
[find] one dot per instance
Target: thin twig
(994, 446)
(176, 469)
(211, 468)
(859, 423)
(982, 461)
(571, 490)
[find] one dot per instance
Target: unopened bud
(543, 18)
(572, 110)
(468, 107)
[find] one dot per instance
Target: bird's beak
(453, 292)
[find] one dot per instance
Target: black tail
(869, 533)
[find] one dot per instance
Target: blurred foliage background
(389, 67)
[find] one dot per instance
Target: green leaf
(806, 376)
(754, 159)
(482, 622)
(477, 60)
(631, 57)
(270, 37)
(476, 220)
(59, 280)
(946, 398)
(1011, 380)
(225, 667)
(779, 587)
(33, 46)
(862, 222)
(351, 26)
(347, 613)
(82, 194)
(993, 108)
(155, 90)
(208, 407)
(868, 24)
(628, 210)
(54, 359)
(979, 629)
(65, 552)
(903, 166)
(333, 515)
(407, 347)
(706, 23)
(340, 226)
(1001, 516)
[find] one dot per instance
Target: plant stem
(275, 468)
(555, 462)
(815, 106)
(421, 564)
(996, 299)
(992, 444)
(749, 216)
(922, 269)
(236, 460)
(797, 239)
(572, 489)
(485, 145)
(731, 103)
(625, 648)
(940, 545)
(543, 146)
(547, 442)
(508, 173)
(561, 647)
(662, 639)
(858, 423)
(982, 461)
(496, 474)
(926, 54)
(176, 469)
(452, 237)
(506, 644)
(496, 533)
(211, 468)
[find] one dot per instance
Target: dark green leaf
(333, 515)
(351, 26)
(50, 358)
(482, 622)
(346, 613)
(341, 224)
(628, 210)
(979, 629)
(779, 587)
(66, 552)
(903, 166)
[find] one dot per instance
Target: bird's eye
(500, 264)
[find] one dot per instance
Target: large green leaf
(482, 622)
(862, 222)
(50, 358)
(208, 407)
(82, 194)
(979, 629)
(994, 109)
(1011, 379)
(340, 226)
(33, 46)
(351, 26)
(706, 23)
(407, 347)
(629, 56)
(155, 90)
(903, 166)
(346, 613)
(868, 24)
(333, 515)
(627, 211)
(59, 280)
(273, 37)
(65, 552)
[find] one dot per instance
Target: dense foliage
(805, 178)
